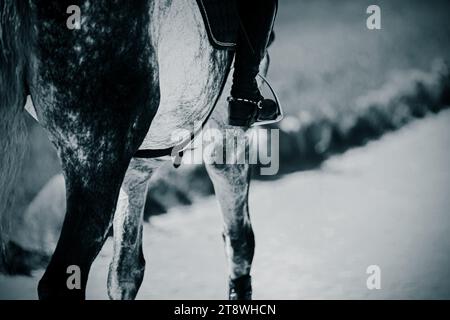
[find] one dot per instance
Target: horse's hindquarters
(191, 71)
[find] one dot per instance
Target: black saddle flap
(221, 22)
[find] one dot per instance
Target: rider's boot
(247, 106)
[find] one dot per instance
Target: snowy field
(384, 204)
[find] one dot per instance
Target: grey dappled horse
(133, 74)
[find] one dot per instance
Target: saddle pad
(222, 22)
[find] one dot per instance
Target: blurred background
(362, 180)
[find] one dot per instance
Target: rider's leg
(256, 18)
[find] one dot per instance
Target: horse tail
(12, 100)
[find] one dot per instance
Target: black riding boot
(246, 104)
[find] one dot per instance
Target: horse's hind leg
(92, 190)
(94, 171)
(231, 184)
(126, 270)
(96, 93)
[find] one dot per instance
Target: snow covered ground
(384, 204)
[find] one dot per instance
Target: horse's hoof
(241, 288)
(48, 292)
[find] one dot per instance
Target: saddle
(221, 21)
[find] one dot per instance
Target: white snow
(384, 204)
